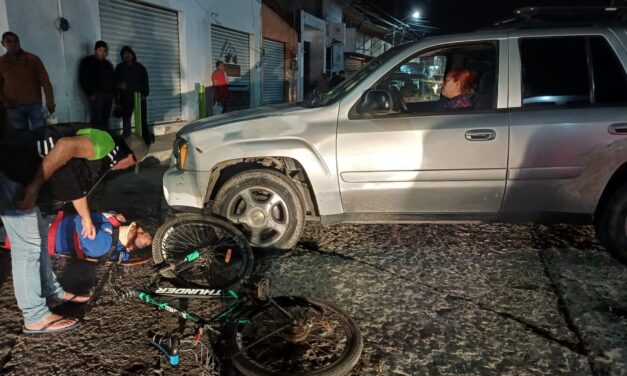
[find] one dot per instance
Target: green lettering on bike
(192, 256)
(233, 294)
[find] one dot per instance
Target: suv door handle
(618, 128)
(480, 135)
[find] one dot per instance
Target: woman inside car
(458, 86)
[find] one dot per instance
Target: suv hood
(239, 116)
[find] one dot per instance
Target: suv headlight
(179, 150)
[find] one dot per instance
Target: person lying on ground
(115, 240)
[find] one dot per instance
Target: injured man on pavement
(115, 240)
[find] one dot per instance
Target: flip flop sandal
(73, 299)
(46, 328)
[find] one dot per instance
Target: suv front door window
(415, 86)
(416, 159)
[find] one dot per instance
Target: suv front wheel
(265, 205)
(611, 226)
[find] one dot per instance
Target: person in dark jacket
(97, 79)
(72, 158)
(131, 77)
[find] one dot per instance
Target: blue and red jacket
(64, 237)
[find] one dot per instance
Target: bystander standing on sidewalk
(131, 76)
(220, 82)
(97, 79)
(22, 75)
(4, 124)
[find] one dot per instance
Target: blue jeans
(21, 114)
(34, 280)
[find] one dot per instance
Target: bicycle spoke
(223, 255)
(322, 343)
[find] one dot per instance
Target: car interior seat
(484, 98)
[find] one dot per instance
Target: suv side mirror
(376, 102)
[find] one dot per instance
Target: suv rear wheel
(265, 205)
(611, 226)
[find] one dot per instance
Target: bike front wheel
(318, 339)
(225, 255)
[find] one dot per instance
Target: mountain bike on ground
(257, 333)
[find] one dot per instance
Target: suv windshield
(324, 99)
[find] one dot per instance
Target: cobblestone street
(429, 299)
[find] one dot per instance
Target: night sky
(466, 15)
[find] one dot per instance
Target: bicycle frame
(190, 293)
(149, 294)
(247, 309)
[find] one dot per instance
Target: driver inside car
(458, 86)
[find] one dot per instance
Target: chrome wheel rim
(261, 213)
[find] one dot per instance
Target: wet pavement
(429, 299)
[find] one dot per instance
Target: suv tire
(266, 205)
(611, 226)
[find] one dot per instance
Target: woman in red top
(221, 85)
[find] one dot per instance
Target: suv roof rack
(562, 16)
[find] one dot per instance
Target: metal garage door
(153, 33)
(233, 48)
(352, 65)
(273, 72)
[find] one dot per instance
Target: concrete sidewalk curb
(162, 155)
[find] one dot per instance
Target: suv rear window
(562, 71)
(610, 82)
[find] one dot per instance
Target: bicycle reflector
(227, 257)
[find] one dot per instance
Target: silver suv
(544, 140)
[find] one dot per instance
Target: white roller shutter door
(233, 48)
(153, 33)
(273, 72)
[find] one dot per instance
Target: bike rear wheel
(322, 340)
(225, 255)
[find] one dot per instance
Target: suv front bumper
(185, 189)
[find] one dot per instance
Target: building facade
(275, 51)
(178, 41)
